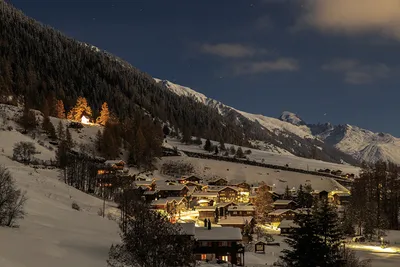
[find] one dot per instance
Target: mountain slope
(273, 133)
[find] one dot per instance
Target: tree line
(375, 200)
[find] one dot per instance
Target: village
(221, 216)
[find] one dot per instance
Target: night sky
(331, 60)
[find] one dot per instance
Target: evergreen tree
(208, 145)
(186, 136)
(104, 114)
(99, 141)
(166, 130)
(287, 195)
(239, 153)
(80, 109)
(60, 131)
(347, 223)
(232, 150)
(28, 118)
(68, 139)
(216, 151)
(222, 145)
(59, 110)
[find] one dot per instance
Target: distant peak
(292, 118)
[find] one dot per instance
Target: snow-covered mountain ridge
(361, 144)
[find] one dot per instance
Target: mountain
(291, 118)
(38, 63)
(268, 133)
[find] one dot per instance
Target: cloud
(228, 50)
(231, 50)
(353, 17)
(357, 73)
(257, 67)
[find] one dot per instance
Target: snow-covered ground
(236, 172)
(54, 234)
(273, 158)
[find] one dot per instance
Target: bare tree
(12, 200)
(23, 151)
(151, 240)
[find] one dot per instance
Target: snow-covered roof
(175, 187)
(218, 188)
(282, 202)
(288, 224)
(187, 228)
(238, 220)
(279, 212)
(150, 192)
(241, 208)
(177, 199)
(218, 234)
(161, 201)
(224, 204)
(205, 194)
(205, 208)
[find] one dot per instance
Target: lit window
(225, 258)
(203, 257)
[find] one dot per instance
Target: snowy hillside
(359, 143)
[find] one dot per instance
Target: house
(115, 164)
(320, 194)
(180, 203)
(150, 195)
(284, 204)
(227, 194)
(277, 216)
(193, 184)
(222, 208)
(172, 190)
(163, 204)
(243, 185)
(241, 210)
(205, 198)
(146, 184)
(287, 226)
(206, 212)
(341, 198)
(187, 179)
(236, 221)
(219, 243)
(219, 181)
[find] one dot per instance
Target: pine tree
(104, 114)
(232, 150)
(99, 141)
(166, 130)
(262, 203)
(60, 131)
(28, 118)
(68, 139)
(222, 145)
(287, 195)
(60, 110)
(216, 151)
(208, 145)
(239, 153)
(80, 109)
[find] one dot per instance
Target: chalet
(284, 204)
(115, 164)
(206, 212)
(205, 198)
(193, 184)
(287, 226)
(192, 189)
(243, 185)
(320, 194)
(236, 221)
(222, 208)
(241, 210)
(341, 198)
(146, 184)
(221, 243)
(172, 190)
(180, 203)
(163, 204)
(150, 195)
(187, 179)
(276, 216)
(228, 194)
(219, 181)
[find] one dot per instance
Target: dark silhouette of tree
(28, 119)
(208, 145)
(23, 151)
(149, 239)
(239, 153)
(60, 131)
(166, 130)
(12, 200)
